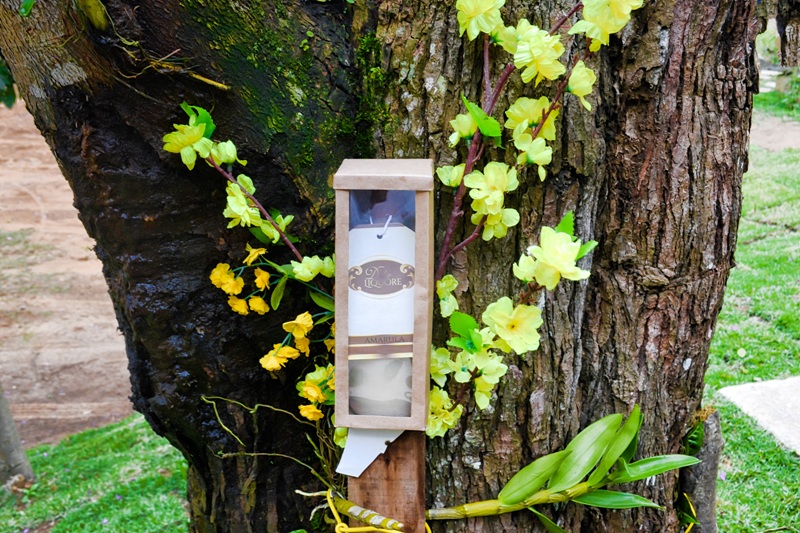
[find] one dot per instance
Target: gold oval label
(381, 277)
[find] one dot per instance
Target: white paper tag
(363, 447)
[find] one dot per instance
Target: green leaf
(587, 448)
(693, 441)
(489, 127)
(653, 466)
(277, 293)
(618, 445)
(567, 224)
(322, 300)
(201, 116)
(476, 338)
(586, 248)
(26, 7)
(259, 234)
(531, 478)
(462, 324)
(610, 499)
(325, 318)
(548, 524)
(460, 342)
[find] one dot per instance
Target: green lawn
(120, 478)
(758, 338)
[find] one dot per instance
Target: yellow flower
(505, 36)
(253, 254)
(516, 325)
(530, 111)
(238, 208)
(238, 305)
(302, 344)
(311, 412)
(278, 356)
(533, 151)
(440, 365)
(601, 18)
(476, 16)
(312, 392)
(538, 52)
(496, 226)
(270, 231)
(300, 326)
(330, 344)
(444, 289)
(464, 127)
(221, 274)
(258, 305)
(580, 83)
(555, 258)
(232, 285)
(488, 188)
(328, 268)
(451, 176)
(442, 416)
(225, 153)
(308, 268)
(188, 140)
(262, 279)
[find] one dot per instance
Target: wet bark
(653, 174)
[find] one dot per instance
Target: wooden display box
(384, 292)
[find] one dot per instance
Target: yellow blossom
(238, 305)
(278, 356)
(464, 127)
(440, 365)
(328, 268)
(488, 188)
(530, 111)
(308, 268)
(601, 18)
(533, 151)
(300, 326)
(516, 325)
(253, 254)
(340, 437)
(496, 226)
(476, 16)
(555, 258)
(442, 416)
(580, 83)
(270, 231)
(221, 274)
(444, 289)
(505, 36)
(258, 305)
(238, 208)
(188, 140)
(312, 392)
(330, 344)
(225, 153)
(538, 52)
(451, 176)
(302, 344)
(262, 279)
(232, 285)
(311, 412)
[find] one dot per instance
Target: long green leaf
(586, 449)
(277, 293)
(548, 524)
(609, 499)
(618, 445)
(527, 481)
(653, 466)
(489, 127)
(26, 7)
(585, 248)
(322, 300)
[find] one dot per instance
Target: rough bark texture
(653, 174)
(13, 461)
(788, 19)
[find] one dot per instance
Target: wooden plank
(394, 484)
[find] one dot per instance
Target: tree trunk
(788, 19)
(13, 460)
(653, 174)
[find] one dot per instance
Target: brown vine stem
(228, 176)
(557, 26)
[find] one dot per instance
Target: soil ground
(62, 360)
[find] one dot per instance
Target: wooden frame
(414, 175)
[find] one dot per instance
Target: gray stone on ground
(775, 405)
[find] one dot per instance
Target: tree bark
(788, 19)
(13, 461)
(653, 174)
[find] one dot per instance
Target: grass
(758, 338)
(120, 477)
